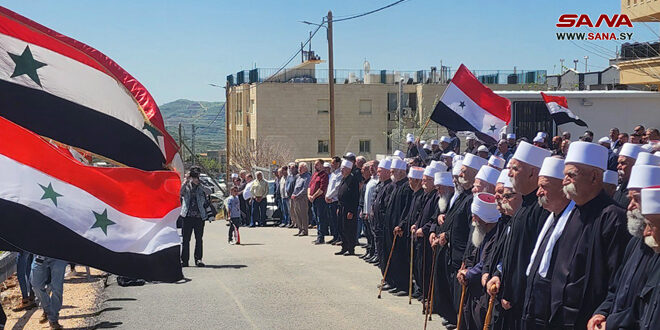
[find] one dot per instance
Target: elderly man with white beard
(484, 220)
(617, 310)
(650, 297)
(625, 162)
(593, 242)
(536, 310)
(453, 229)
(526, 224)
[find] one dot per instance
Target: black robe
(457, 229)
(412, 151)
(493, 261)
(627, 285)
(411, 216)
(423, 253)
(587, 258)
(621, 195)
(477, 298)
(526, 224)
(648, 303)
(401, 196)
(348, 194)
(385, 189)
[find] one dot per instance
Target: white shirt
(556, 234)
(247, 194)
(369, 194)
(333, 185)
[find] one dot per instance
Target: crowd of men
(549, 234)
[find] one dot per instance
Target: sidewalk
(79, 310)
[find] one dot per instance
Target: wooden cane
(411, 271)
(432, 298)
(460, 308)
(489, 314)
(424, 271)
(430, 292)
(382, 282)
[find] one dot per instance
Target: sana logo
(575, 21)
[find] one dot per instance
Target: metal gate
(530, 117)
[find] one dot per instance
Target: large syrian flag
(559, 111)
(63, 89)
(468, 105)
(121, 220)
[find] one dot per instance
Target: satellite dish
(366, 66)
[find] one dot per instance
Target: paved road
(272, 281)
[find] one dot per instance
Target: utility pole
(181, 150)
(586, 58)
(399, 108)
(575, 62)
(331, 84)
(193, 144)
(227, 134)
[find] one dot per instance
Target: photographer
(193, 196)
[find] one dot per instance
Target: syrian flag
(468, 105)
(559, 111)
(121, 220)
(65, 90)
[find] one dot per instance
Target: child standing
(234, 208)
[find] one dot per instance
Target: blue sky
(176, 48)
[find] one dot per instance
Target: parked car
(273, 212)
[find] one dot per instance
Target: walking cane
(489, 314)
(382, 282)
(430, 296)
(460, 308)
(411, 271)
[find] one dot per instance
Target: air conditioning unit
(407, 112)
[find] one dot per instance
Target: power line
(369, 12)
(297, 52)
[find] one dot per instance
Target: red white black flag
(559, 111)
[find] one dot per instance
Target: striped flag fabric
(65, 90)
(121, 220)
(559, 111)
(468, 105)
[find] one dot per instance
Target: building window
(408, 100)
(239, 108)
(323, 147)
(251, 106)
(322, 106)
(365, 146)
(365, 107)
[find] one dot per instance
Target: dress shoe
(55, 325)
(318, 242)
(43, 319)
(25, 304)
(387, 287)
(350, 253)
(282, 225)
(184, 264)
(337, 243)
(401, 293)
(199, 263)
(332, 241)
(297, 234)
(450, 327)
(303, 234)
(393, 290)
(373, 260)
(340, 252)
(417, 294)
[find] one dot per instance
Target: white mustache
(570, 191)
(650, 242)
(635, 223)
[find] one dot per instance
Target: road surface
(272, 281)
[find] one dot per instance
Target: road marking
(238, 303)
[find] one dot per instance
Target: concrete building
(640, 62)
(572, 80)
(290, 107)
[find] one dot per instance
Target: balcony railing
(348, 76)
(639, 50)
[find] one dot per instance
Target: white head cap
(450, 154)
(423, 142)
(385, 164)
(531, 154)
(647, 147)
(430, 171)
(443, 179)
(650, 201)
(504, 179)
(605, 139)
(399, 153)
(434, 142)
(643, 176)
(496, 161)
(349, 154)
(234, 175)
(473, 161)
(456, 169)
(538, 139)
(542, 134)
(611, 177)
(427, 146)
(398, 164)
(327, 165)
(553, 168)
(346, 163)
(630, 150)
(645, 158)
(410, 138)
(510, 136)
(587, 153)
(445, 138)
(482, 148)
(488, 174)
(416, 172)
(485, 207)
(438, 166)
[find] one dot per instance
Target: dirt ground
(79, 308)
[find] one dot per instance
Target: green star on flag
(49, 193)
(102, 221)
(26, 64)
(153, 130)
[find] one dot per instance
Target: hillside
(208, 117)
